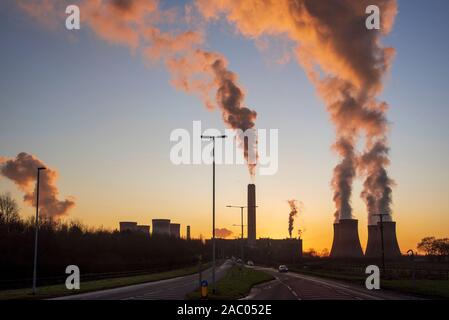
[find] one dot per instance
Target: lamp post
(213, 203)
(241, 211)
(380, 215)
(36, 229)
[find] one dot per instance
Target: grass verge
(95, 285)
(236, 284)
(438, 289)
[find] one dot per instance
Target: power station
(159, 227)
(251, 214)
(175, 230)
(382, 240)
(188, 233)
(346, 242)
(390, 241)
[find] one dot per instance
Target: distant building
(265, 250)
(128, 226)
(188, 233)
(161, 226)
(144, 229)
(252, 235)
(282, 250)
(175, 230)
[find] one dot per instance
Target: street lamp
(380, 215)
(213, 203)
(241, 211)
(36, 228)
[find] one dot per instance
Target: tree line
(93, 250)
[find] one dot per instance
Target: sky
(102, 117)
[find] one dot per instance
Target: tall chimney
(374, 245)
(188, 233)
(346, 242)
(251, 214)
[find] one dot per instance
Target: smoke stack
(346, 242)
(251, 214)
(374, 245)
(188, 233)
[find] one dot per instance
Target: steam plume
(135, 23)
(291, 217)
(223, 233)
(347, 63)
(23, 170)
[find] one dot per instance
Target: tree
(325, 253)
(9, 210)
(426, 245)
(434, 247)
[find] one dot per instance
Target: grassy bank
(236, 284)
(438, 289)
(88, 286)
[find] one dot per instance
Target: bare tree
(9, 210)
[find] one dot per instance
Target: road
(293, 286)
(170, 289)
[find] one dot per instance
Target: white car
(283, 268)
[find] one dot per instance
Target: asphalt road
(170, 289)
(293, 286)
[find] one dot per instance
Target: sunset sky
(102, 117)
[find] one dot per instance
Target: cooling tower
(127, 226)
(175, 230)
(251, 214)
(346, 242)
(188, 233)
(161, 226)
(335, 242)
(374, 245)
(143, 229)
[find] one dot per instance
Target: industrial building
(346, 243)
(175, 230)
(128, 226)
(251, 214)
(161, 226)
(131, 226)
(390, 242)
(145, 229)
(188, 233)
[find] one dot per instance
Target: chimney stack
(251, 214)
(346, 242)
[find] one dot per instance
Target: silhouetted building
(251, 214)
(175, 230)
(161, 227)
(188, 233)
(279, 250)
(346, 243)
(374, 245)
(128, 226)
(144, 229)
